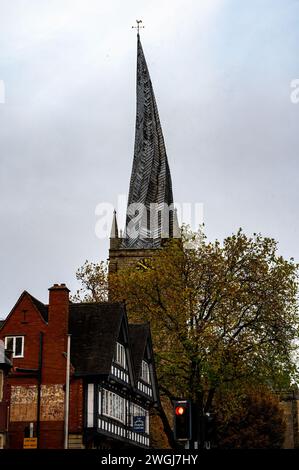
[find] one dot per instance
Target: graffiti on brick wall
(52, 403)
(23, 405)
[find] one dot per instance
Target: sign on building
(139, 423)
(30, 443)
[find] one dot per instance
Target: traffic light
(209, 427)
(182, 420)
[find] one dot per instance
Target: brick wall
(289, 403)
(26, 320)
(76, 420)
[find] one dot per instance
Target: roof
(138, 334)
(42, 308)
(94, 328)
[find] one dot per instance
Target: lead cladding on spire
(150, 179)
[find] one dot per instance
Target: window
(113, 406)
(145, 375)
(90, 405)
(137, 410)
(120, 356)
(15, 344)
(1, 386)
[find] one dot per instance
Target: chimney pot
(58, 287)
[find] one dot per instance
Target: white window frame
(145, 372)
(113, 406)
(90, 405)
(120, 355)
(14, 338)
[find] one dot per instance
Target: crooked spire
(150, 194)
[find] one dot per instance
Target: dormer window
(145, 375)
(120, 356)
(16, 345)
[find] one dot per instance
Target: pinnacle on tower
(114, 239)
(176, 227)
(114, 227)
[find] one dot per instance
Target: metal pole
(39, 381)
(67, 393)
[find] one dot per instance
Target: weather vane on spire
(138, 26)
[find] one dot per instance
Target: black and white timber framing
(116, 361)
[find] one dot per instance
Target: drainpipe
(67, 393)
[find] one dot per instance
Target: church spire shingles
(150, 194)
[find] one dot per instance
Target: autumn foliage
(255, 421)
(223, 315)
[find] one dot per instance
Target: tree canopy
(221, 314)
(252, 420)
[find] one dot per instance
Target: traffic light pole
(199, 431)
(194, 443)
(193, 427)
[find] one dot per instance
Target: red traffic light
(180, 410)
(182, 420)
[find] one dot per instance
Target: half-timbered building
(116, 361)
(112, 374)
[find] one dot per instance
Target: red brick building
(112, 379)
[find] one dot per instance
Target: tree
(94, 283)
(220, 314)
(257, 422)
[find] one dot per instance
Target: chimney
(55, 340)
(58, 306)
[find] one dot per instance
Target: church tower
(151, 217)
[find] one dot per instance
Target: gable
(141, 345)
(121, 370)
(138, 340)
(26, 312)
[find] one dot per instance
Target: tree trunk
(166, 426)
(209, 401)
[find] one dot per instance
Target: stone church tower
(151, 218)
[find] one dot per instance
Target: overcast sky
(221, 71)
